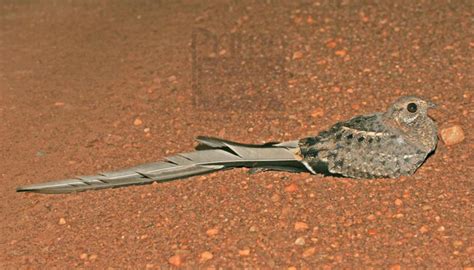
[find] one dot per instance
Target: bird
(386, 144)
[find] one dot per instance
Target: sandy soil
(76, 75)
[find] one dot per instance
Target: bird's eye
(411, 107)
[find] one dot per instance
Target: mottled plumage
(388, 144)
(378, 145)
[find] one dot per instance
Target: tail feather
(218, 155)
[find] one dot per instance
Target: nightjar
(386, 144)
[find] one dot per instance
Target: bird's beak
(431, 104)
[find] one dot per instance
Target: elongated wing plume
(217, 155)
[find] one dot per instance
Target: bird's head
(409, 114)
(409, 111)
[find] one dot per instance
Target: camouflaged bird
(379, 145)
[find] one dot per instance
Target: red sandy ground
(75, 76)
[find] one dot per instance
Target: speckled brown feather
(378, 145)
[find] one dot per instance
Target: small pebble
(298, 19)
(399, 215)
(83, 256)
(372, 231)
(457, 243)
(297, 55)
(93, 257)
(212, 232)
(424, 229)
(331, 44)
(137, 122)
(355, 107)
(318, 112)
(452, 135)
(470, 250)
(398, 202)
(176, 260)
(371, 217)
(426, 207)
(244, 252)
(300, 241)
(341, 53)
(291, 188)
(62, 221)
(395, 267)
(309, 252)
(301, 226)
(206, 256)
